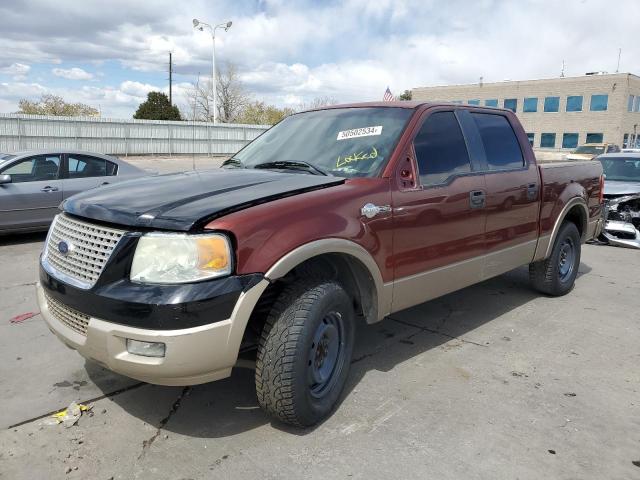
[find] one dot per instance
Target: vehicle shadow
(22, 238)
(229, 406)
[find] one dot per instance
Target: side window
(34, 169)
(82, 166)
(112, 169)
(500, 142)
(440, 149)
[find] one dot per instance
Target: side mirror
(5, 179)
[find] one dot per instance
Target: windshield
(589, 149)
(346, 142)
(621, 169)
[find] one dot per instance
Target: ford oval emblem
(64, 247)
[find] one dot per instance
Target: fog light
(146, 349)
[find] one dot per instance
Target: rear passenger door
(438, 219)
(513, 186)
(83, 172)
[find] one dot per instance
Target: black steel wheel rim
(326, 355)
(566, 259)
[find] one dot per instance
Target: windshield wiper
(292, 164)
(234, 162)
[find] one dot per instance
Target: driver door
(32, 197)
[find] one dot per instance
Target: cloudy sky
(110, 53)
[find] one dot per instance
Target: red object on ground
(22, 317)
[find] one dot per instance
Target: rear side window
(440, 149)
(82, 166)
(500, 142)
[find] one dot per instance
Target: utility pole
(619, 53)
(170, 80)
(562, 72)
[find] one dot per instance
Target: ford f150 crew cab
(343, 212)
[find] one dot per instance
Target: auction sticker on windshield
(360, 132)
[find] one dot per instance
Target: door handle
(477, 198)
(48, 189)
(104, 183)
(532, 191)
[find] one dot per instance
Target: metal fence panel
(122, 137)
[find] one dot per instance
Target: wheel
(557, 274)
(304, 352)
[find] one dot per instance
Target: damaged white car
(622, 199)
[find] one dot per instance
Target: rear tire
(305, 351)
(557, 274)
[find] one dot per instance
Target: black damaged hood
(183, 201)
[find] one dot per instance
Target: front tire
(305, 351)
(556, 275)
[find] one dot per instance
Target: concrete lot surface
(492, 382)
(175, 163)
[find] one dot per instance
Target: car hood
(186, 201)
(621, 188)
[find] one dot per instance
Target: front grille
(71, 318)
(89, 248)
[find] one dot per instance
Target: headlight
(180, 258)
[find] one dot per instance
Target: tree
(231, 96)
(157, 107)
(405, 96)
(317, 102)
(259, 113)
(54, 105)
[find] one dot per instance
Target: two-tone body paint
(428, 228)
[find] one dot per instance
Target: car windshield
(589, 149)
(346, 142)
(621, 169)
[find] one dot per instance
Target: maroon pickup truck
(343, 212)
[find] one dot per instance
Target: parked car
(589, 151)
(348, 211)
(622, 199)
(34, 183)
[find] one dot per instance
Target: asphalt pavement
(494, 381)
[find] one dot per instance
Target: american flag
(388, 96)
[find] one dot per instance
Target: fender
(383, 293)
(545, 244)
(248, 300)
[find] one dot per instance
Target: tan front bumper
(193, 355)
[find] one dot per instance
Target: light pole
(201, 26)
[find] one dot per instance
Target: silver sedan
(32, 184)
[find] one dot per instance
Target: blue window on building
(530, 104)
(599, 103)
(574, 103)
(551, 104)
(548, 140)
(594, 138)
(569, 140)
(474, 102)
(511, 104)
(636, 104)
(630, 103)
(625, 140)
(492, 102)
(531, 137)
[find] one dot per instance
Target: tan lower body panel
(193, 355)
(416, 289)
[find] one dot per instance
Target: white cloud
(289, 52)
(18, 71)
(74, 73)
